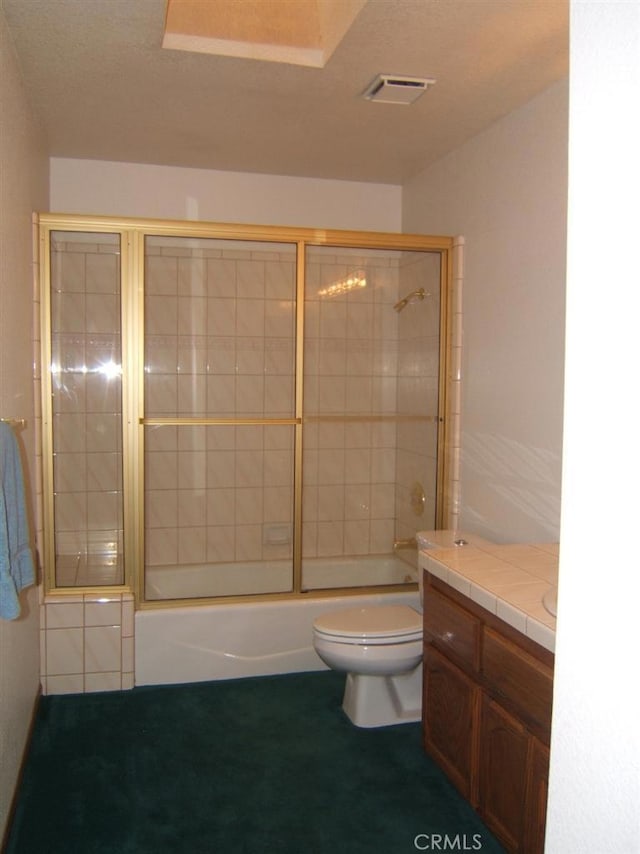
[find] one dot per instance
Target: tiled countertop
(507, 580)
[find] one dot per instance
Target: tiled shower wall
(220, 342)
(454, 382)
(417, 400)
(219, 333)
(351, 361)
(87, 408)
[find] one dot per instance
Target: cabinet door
(537, 791)
(451, 706)
(521, 682)
(504, 747)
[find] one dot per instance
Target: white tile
(128, 614)
(220, 543)
(279, 280)
(248, 544)
(483, 598)
(191, 438)
(356, 537)
(250, 278)
(127, 654)
(64, 651)
(128, 681)
(94, 682)
(221, 277)
(250, 394)
(544, 635)
(249, 506)
(102, 313)
(59, 599)
(71, 684)
(102, 432)
(458, 582)
(192, 545)
(192, 507)
(102, 273)
(43, 649)
(192, 276)
(161, 315)
(102, 649)
(513, 616)
(249, 469)
(104, 511)
(436, 568)
(161, 546)
(161, 275)
(102, 613)
(64, 616)
(161, 508)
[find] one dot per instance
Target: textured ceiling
(104, 87)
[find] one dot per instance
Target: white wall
(23, 188)
(595, 748)
(505, 192)
(168, 192)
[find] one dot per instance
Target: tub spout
(410, 543)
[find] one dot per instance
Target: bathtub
(239, 579)
(228, 641)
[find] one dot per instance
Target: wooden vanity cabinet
(487, 713)
(449, 734)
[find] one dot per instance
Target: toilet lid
(379, 622)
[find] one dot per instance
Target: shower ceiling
(103, 87)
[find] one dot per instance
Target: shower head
(415, 296)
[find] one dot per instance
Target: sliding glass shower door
(219, 413)
(371, 412)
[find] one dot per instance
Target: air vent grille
(395, 89)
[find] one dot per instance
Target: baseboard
(16, 791)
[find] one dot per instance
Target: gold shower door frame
(132, 233)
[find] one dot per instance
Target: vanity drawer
(512, 674)
(452, 629)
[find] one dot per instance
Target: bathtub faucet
(410, 543)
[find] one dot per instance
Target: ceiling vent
(393, 89)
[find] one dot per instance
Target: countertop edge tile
(483, 597)
(438, 569)
(544, 635)
(512, 615)
(459, 582)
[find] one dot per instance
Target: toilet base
(372, 701)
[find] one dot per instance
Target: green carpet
(268, 764)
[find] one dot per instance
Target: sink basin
(550, 601)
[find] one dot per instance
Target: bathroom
(511, 468)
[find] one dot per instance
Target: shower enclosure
(239, 411)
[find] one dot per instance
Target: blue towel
(16, 559)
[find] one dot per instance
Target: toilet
(380, 650)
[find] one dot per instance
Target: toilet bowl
(380, 650)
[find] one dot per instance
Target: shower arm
(418, 295)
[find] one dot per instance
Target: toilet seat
(377, 625)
